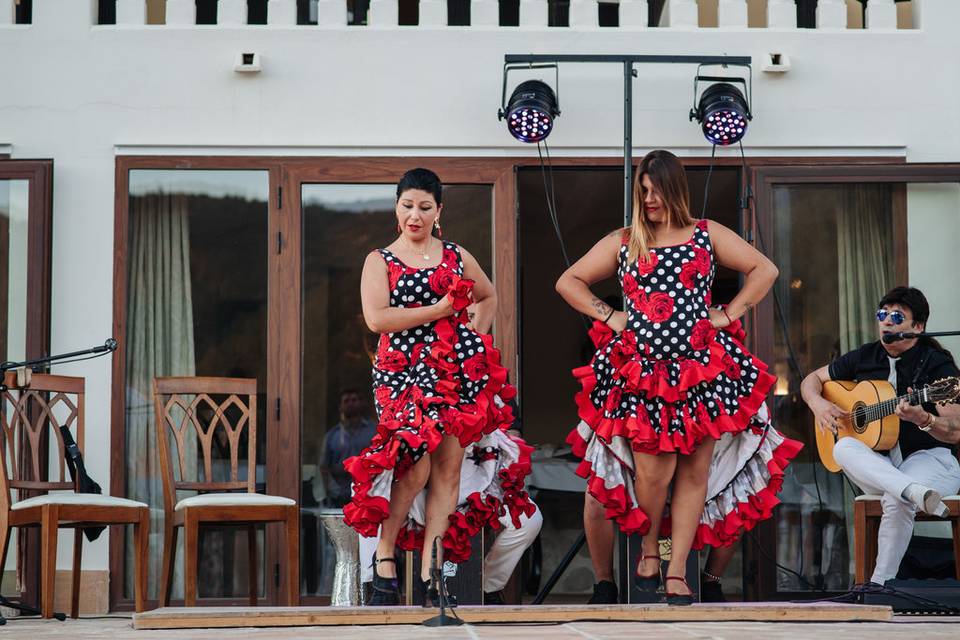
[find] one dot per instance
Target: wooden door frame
(39, 174)
(287, 174)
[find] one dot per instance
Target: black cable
(706, 186)
(550, 193)
(780, 566)
(745, 204)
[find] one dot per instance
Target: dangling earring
(399, 230)
(436, 225)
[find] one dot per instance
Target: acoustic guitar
(869, 412)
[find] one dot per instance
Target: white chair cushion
(80, 499)
(234, 500)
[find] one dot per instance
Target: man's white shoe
(926, 500)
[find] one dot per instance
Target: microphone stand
(108, 347)
(436, 576)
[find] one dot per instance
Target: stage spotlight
(531, 111)
(722, 110)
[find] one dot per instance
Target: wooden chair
(867, 511)
(186, 404)
(37, 412)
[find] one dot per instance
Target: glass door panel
(196, 305)
(342, 223)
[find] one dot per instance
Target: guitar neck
(886, 408)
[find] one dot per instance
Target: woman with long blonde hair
(670, 379)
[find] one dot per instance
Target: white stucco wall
(76, 93)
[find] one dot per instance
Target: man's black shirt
(917, 366)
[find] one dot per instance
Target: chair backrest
(30, 419)
(192, 409)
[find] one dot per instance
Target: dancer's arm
(375, 300)
(484, 295)
(735, 253)
(598, 264)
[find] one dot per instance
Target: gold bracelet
(929, 423)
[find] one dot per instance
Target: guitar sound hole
(859, 419)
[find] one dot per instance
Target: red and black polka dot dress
(438, 379)
(668, 380)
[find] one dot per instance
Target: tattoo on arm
(601, 307)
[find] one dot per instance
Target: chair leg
(293, 555)
(75, 576)
(168, 562)
(859, 542)
(955, 525)
(190, 559)
(49, 519)
(252, 562)
(141, 537)
(4, 542)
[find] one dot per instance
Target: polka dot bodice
(667, 294)
(400, 355)
(670, 379)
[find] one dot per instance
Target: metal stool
(346, 591)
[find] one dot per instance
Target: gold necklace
(424, 254)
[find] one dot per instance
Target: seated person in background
(346, 439)
(922, 466)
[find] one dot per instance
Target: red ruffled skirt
(629, 403)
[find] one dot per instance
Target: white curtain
(159, 342)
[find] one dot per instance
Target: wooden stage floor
(226, 617)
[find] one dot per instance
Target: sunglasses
(896, 317)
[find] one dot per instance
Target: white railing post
(484, 13)
(584, 14)
(232, 13)
(181, 12)
(383, 13)
(881, 14)
(132, 12)
(732, 13)
(831, 14)
(781, 14)
(680, 13)
(634, 13)
(331, 13)
(534, 13)
(433, 13)
(282, 12)
(7, 12)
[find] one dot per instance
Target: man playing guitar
(922, 466)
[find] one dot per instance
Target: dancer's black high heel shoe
(386, 591)
(681, 599)
(648, 585)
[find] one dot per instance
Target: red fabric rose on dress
(646, 265)
(701, 335)
(659, 306)
(614, 397)
(449, 258)
(623, 349)
(476, 367)
(442, 279)
(702, 259)
(382, 393)
(461, 292)
(688, 274)
(391, 361)
(394, 271)
(730, 366)
(633, 292)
